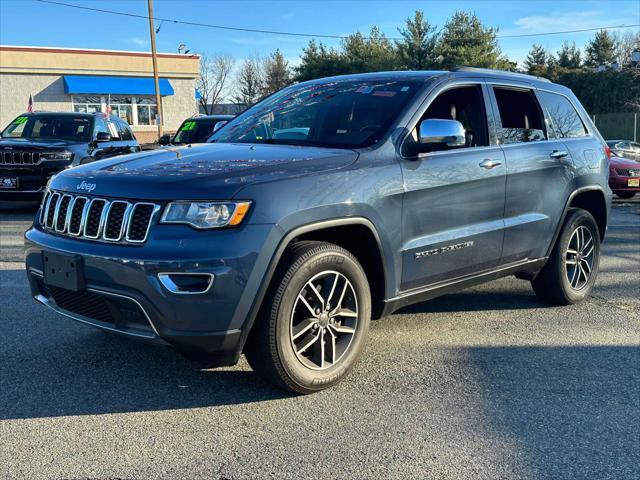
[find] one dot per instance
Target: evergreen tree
(318, 60)
(537, 60)
(416, 50)
(368, 54)
(276, 73)
(569, 56)
(466, 41)
(601, 50)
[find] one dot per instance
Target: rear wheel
(315, 319)
(569, 274)
(625, 195)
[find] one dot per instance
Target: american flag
(30, 106)
(107, 110)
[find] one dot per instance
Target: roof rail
(491, 71)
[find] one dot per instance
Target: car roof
(211, 117)
(425, 75)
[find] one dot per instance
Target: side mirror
(435, 131)
(219, 125)
(165, 139)
(103, 137)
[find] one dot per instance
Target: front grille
(115, 221)
(627, 172)
(16, 157)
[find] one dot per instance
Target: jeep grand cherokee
(329, 203)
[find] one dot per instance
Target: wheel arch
(592, 199)
(331, 231)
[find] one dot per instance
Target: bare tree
(214, 73)
(626, 43)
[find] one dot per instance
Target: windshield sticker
(364, 89)
(188, 126)
(404, 89)
(20, 120)
(382, 93)
(112, 130)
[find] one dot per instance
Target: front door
(452, 216)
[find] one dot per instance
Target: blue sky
(26, 22)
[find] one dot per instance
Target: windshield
(339, 114)
(63, 127)
(195, 131)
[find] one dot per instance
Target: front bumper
(621, 184)
(123, 293)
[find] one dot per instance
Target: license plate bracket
(8, 183)
(63, 270)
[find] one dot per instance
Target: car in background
(625, 149)
(624, 177)
(195, 130)
(35, 146)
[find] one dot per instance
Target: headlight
(206, 214)
(56, 156)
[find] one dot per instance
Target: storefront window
(121, 107)
(87, 104)
(147, 110)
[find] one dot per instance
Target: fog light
(186, 283)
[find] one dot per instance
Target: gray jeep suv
(325, 205)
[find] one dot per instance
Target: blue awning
(87, 84)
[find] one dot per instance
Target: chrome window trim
(156, 209)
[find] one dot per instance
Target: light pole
(156, 82)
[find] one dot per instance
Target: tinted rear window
(520, 116)
(565, 121)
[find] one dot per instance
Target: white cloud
(571, 20)
(138, 41)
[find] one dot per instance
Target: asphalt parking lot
(487, 383)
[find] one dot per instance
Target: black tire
(271, 349)
(625, 195)
(560, 282)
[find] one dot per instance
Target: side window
(520, 116)
(464, 104)
(113, 130)
(125, 133)
(565, 121)
(99, 125)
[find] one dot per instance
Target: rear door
(539, 171)
(452, 215)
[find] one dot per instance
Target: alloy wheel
(324, 320)
(580, 257)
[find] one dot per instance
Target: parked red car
(624, 177)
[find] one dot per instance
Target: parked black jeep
(36, 146)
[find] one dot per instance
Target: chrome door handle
(488, 163)
(558, 154)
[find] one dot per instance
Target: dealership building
(83, 80)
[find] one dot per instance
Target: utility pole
(152, 32)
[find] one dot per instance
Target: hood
(206, 171)
(35, 144)
(619, 162)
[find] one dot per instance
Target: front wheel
(571, 270)
(315, 319)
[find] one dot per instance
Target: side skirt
(526, 269)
